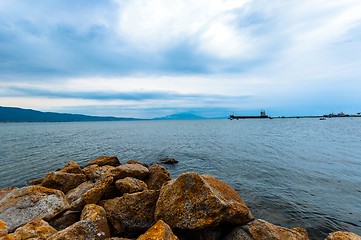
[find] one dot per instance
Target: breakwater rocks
(110, 200)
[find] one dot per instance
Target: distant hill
(180, 116)
(12, 114)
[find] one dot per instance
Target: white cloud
(210, 25)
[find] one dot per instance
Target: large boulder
(262, 230)
(195, 202)
(340, 235)
(95, 172)
(35, 229)
(159, 231)
(88, 192)
(130, 170)
(130, 185)
(92, 226)
(158, 175)
(105, 160)
(131, 213)
(71, 167)
(63, 181)
(25, 204)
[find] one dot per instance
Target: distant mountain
(180, 116)
(12, 114)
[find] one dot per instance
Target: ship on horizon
(262, 115)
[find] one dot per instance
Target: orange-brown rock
(262, 230)
(195, 202)
(71, 167)
(158, 175)
(159, 231)
(63, 181)
(25, 204)
(105, 160)
(340, 235)
(4, 232)
(37, 181)
(3, 228)
(92, 225)
(88, 192)
(97, 214)
(35, 229)
(95, 172)
(65, 219)
(131, 213)
(5, 191)
(130, 185)
(130, 170)
(133, 161)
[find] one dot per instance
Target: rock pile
(110, 200)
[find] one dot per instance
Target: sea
(290, 172)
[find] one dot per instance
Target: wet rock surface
(107, 200)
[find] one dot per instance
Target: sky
(151, 58)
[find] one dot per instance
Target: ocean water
(291, 172)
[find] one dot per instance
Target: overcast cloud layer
(156, 57)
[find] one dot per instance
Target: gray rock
(25, 204)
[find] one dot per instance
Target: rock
(158, 175)
(5, 191)
(25, 204)
(131, 213)
(3, 228)
(37, 181)
(195, 202)
(79, 191)
(168, 160)
(262, 230)
(95, 172)
(238, 234)
(63, 181)
(340, 235)
(130, 185)
(71, 167)
(4, 232)
(159, 231)
(92, 226)
(97, 214)
(37, 229)
(105, 160)
(65, 220)
(88, 192)
(130, 170)
(137, 162)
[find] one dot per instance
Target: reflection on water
(291, 172)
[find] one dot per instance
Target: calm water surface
(291, 172)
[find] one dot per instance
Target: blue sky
(148, 58)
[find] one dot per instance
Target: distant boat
(322, 118)
(262, 115)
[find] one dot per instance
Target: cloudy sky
(147, 58)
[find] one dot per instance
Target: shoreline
(102, 183)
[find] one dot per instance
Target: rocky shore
(109, 200)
